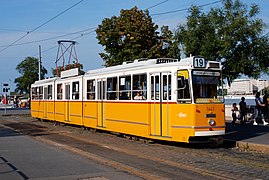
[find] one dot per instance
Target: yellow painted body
(60, 111)
(166, 121)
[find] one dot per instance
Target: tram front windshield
(205, 86)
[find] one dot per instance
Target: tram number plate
(199, 62)
(210, 108)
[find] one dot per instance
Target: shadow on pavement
(247, 132)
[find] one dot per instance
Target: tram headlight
(211, 122)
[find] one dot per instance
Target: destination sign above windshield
(206, 73)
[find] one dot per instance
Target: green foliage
(28, 69)
(230, 34)
(57, 71)
(133, 35)
(198, 36)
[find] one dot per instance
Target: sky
(27, 24)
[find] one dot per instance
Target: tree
(28, 69)
(198, 36)
(231, 34)
(131, 36)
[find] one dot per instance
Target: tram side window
(101, 89)
(75, 90)
(167, 87)
(112, 88)
(46, 92)
(49, 91)
(40, 92)
(34, 93)
(125, 88)
(67, 91)
(183, 91)
(152, 87)
(59, 91)
(91, 89)
(140, 87)
(157, 88)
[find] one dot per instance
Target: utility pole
(39, 63)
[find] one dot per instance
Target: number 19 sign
(199, 62)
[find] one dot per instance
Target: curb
(247, 146)
(252, 146)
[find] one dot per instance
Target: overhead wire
(28, 32)
(156, 5)
(184, 9)
(81, 35)
(46, 39)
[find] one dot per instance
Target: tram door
(67, 103)
(101, 96)
(160, 97)
(46, 101)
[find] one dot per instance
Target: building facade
(247, 86)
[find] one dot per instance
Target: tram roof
(152, 63)
(44, 81)
(144, 63)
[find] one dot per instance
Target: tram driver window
(205, 86)
(75, 90)
(183, 91)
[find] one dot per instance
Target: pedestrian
(243, 110)
(19, 102)
(259, 106)
(265, 102)
(29, 103)
(15, 102)
(234, 113)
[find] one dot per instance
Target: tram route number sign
(199, 62)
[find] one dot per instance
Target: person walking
(259, 106)
(243, 110)
(265, 102)
(234, 113)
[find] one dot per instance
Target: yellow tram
(162, 99)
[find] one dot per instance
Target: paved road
(22, 157)
(12, 111)
(226, 162)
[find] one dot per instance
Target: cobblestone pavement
(161, 159)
